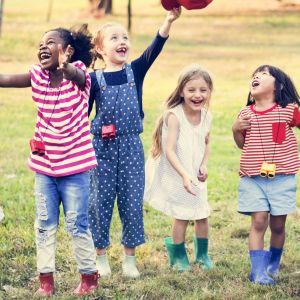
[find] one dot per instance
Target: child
(269, 162)
(180, 153)
(61, 151)
(117, 92)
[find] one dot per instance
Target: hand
(242, 123)
(64, 56)
(187, 183)
(173, 14)
(203, 174)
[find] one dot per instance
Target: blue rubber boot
(259, 261)
(177, 255)
(201, 253)
(274, 262)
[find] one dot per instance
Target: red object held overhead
(188, 4)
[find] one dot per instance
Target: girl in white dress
(176, 170)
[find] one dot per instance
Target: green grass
(228, 43)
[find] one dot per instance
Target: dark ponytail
(81, 40)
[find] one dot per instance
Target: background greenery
(230, 40)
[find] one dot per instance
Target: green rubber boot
(201, 255)
(177, 255)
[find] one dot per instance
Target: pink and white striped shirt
(62, 124)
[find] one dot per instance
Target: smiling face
(262, 85)
(48, 50)
(196, 94)
(114, 46)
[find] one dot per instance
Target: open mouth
(255, 83)
(122, 51)
(44, 57)
(197, 102)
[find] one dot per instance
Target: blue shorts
(276, 196)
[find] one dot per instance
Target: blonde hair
(187, 74)
(98, 39)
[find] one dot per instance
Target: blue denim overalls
(120, 170)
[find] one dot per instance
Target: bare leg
(201, 228)
(179, 230)
(277, 226)
(259, 225)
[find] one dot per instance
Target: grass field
(230, 40)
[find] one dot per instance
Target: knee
(260, 223)
(277, 229)
(44, 234)
(75, 224)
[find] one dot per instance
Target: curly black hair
(80, 39)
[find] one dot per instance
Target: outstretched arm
(172, 136)
(171, 17)
(15, 80)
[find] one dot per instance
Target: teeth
(45, 56)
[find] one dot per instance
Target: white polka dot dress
(164, 188)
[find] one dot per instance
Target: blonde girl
(177, 184)
(117, 92)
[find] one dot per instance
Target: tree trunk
(106, 5)
(129, 15)
(1, 15)
(98, 8)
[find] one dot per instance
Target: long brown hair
(98, 39)
(189, 73)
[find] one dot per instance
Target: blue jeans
(73, 192)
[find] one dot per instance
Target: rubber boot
(102, 265)
(201, 253)
(274, 262)
(87, 285)
(46, 288)
(129, 267)
(259, 261)
(177, 255)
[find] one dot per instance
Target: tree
(1, 14)
(100, 7)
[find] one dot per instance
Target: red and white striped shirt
(62, 124)
(270, 139)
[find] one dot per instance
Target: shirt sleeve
(296, 118)
(80, 65)
(92, 92)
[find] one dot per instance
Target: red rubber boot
(88, 284)
(46, 288)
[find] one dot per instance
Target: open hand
(64, 56)
(187, 183)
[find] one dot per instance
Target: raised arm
(15, 80)
(172, 136)
(171, 17)
(70, 72)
